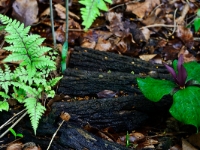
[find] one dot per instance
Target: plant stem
(67, 17)
(52, 24)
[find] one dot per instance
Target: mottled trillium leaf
(186, 104)
(154, 89)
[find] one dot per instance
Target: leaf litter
(152, 30)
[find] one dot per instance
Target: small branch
(159, 25)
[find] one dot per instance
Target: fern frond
(4, 105)
(91, 10)
(35, 111)
(5, 78)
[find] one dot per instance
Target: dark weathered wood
(94, 60)
(122, 113)
(82, 82)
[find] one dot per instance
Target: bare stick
(55, 134)
(14, 124)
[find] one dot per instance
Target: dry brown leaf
(46, 12)
(14, 146)
(186, 55)
(25, 11)
(60, 35)
(142, 9)
(195, 139)
(116, 25)
(4, 3)
(61, 11)
(186, 35)
(187, 146)
(103, 45)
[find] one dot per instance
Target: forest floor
(156, 31)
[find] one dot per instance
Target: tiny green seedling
(16, 134)
(127, 139)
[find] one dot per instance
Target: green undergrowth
(30, 82)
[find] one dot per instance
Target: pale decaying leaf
(61, 11)
(147, 57)
(141, 9)
(103, 45)
(187, 146)
(146, 32)
(25, 11)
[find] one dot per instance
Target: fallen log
(94, 60)
(82, 82)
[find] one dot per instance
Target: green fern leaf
(35, 111)
(4, 105)
(91, 10)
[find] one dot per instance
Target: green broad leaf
(64, 56)
(175, 64)
(198, 13)
(193, 70)
(197, 24)
(154, 89)
(186, 104)
(13, 132)
(4, 106)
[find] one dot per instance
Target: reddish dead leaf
(106, 94)
(4, 3)
(187, 146)
(25, 11)
(60, 35)
(142, 9)
(186, 35)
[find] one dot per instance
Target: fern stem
(52, 24)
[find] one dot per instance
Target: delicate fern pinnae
(35, 111)
(91, 10)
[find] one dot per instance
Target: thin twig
(159, 25)
(67, 18)
(175, 24)
(11, 119)
(55, 133)
(52, 24)
(14, 124)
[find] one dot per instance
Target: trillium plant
(185, 89)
